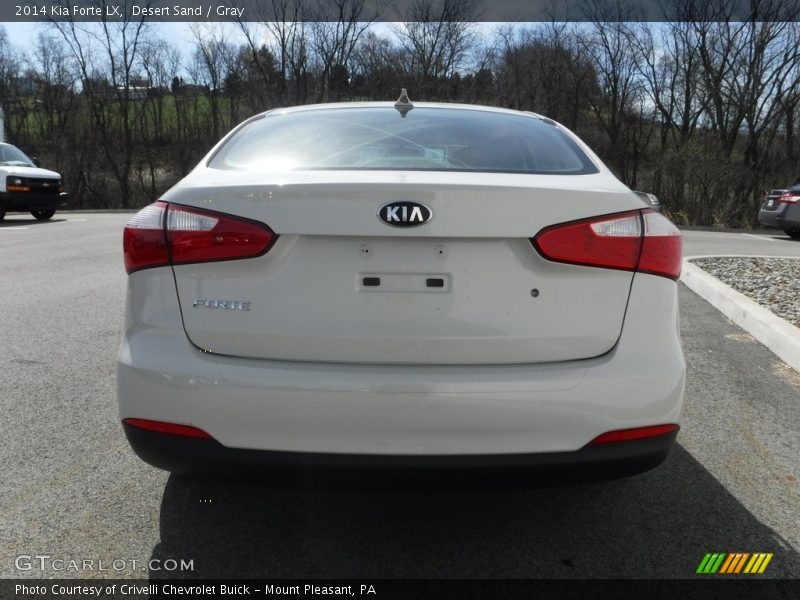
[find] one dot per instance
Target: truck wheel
(43, 215)
(793, 233)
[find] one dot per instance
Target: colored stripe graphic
(734, 562)
(758, 563)
(727, 564)
(703, 563)
(754, 563)
(730, 567)
(717, 563)
(738, 562)
(765, 563)
(711, 563)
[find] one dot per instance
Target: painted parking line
(759, 237)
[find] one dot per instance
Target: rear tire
(43, 215)
(2, 214)
(793, 233)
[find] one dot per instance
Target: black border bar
(398, 10)
(391, 589)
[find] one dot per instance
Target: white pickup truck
(26, 187)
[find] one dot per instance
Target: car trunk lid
(467, 287)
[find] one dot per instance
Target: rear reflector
(163, 234)
(638, 433)
(168, 428)
(642, 241)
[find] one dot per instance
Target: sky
(23, 35)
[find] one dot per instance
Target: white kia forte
(416, 286)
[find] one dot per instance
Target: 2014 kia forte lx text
(426, 285)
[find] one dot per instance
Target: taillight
(162, 234)
(662, 246)
(144, 243)
(788, 199)
(643, 241)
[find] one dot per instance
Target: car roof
(346, 105)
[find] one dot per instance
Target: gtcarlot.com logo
(734, 563)
(46, 562)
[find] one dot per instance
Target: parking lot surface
(762, 243)
(74, 490)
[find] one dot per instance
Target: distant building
(137, 89)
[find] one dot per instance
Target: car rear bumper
(209, 457)
(786, 217)
(23, 201)
(407, 410)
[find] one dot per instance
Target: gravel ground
(772, 282)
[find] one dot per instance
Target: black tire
(793, 233)
(43, 215)
(2, 214)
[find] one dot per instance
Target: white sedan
(423, 286)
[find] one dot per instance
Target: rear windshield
(427, 139)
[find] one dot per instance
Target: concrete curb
(777, 334)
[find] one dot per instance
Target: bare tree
(545, 69)
(10, 101)
(57, 124)
(335, 36)
(437, 38)
(377, 67)
(281, 31)
(701, 109)
(608, 42)
(215, 61)
(107, 56)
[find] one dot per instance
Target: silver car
(429, 285)
(781, 208)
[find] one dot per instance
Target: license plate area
(403, 282)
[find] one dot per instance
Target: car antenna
(403, 104)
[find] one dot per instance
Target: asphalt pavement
(74, 490)
(719, 243)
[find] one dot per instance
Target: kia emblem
(404, 214)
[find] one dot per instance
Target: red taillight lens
(632, 241)
(612, 242)
(788, 199)
(168, 428)
(637, 433)
(662, 246)
(143, 242)
(162, 234)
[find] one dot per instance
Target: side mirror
(36, 162)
